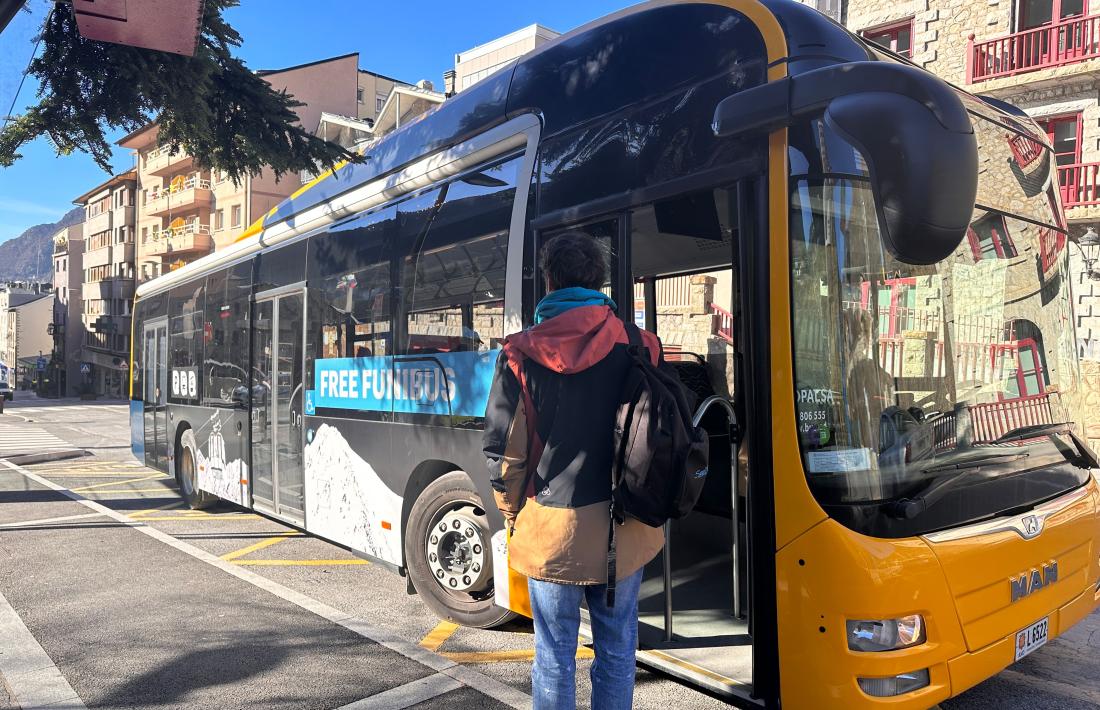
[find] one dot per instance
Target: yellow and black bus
(863, 267)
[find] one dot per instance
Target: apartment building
(107, 287)
(185, 211)
(24, 337)
(475, 64)
(67, 325)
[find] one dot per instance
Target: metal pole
(666, 558)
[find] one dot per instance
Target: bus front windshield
(931, 396)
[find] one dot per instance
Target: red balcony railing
(995, 419)
(1079, 184)
(1066, 42)
(724, 323)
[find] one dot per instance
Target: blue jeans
(557, 612)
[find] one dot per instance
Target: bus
(861, 270)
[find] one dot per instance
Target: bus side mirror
(910, 126)
(924, 174)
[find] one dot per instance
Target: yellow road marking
(438, 635)
(445, 629)
(132, 490)
(166, 506)
(96, 474)
(202, 518)
(229, 556)
(116, 483)
(298, 563)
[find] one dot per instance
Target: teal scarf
(564, 299)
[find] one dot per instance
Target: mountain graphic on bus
(346, 501)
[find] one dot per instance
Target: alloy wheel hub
(457, 552)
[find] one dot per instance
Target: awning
(165, 25)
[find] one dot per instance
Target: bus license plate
(1032, 638)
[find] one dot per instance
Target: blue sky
(408, 41)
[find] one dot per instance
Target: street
(114, 595)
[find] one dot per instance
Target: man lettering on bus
(548, 440)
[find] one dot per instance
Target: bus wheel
(449, 556)
(187, 473)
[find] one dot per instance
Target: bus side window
(453, 276)
(185, 342)
(351, 288)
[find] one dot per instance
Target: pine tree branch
(209, 105)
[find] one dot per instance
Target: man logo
(1028, 583)
(1033, 525)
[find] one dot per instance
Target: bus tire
(187, 473)
(449, 554)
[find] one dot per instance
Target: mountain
(30, 255)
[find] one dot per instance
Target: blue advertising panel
(441, 383)
(137, 429)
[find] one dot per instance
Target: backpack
(660, 459)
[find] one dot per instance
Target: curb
(31, 459)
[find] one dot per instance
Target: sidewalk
(181, 632)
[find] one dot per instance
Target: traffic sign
(85, 368)
(41, 364)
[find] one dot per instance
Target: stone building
(68, 325)
(107, 288)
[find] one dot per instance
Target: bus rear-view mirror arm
(911, 128)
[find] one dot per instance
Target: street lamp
(1089, 244)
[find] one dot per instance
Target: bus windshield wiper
(1085, 457)
(910, 507)
(1034, 431)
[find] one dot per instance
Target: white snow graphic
(346, 501)
(216, 476)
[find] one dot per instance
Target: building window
(235, 215)
(219, 220)
(359, 95)
(1037, 13)
(379, 102)
(989, 239)
(898, 38)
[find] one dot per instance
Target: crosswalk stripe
(29, 440)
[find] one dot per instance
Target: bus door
(155, 344)
(674, 266)
(278, 348)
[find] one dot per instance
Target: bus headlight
(898, 685)
(886, 634)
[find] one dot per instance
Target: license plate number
(1032, 637)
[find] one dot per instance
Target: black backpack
(660, 461)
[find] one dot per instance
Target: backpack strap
(516, 363)
(612, 561)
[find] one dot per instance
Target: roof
(111, 182)
(535, 30)
(128, 139)
(383, 76)
(8, 8)
(266, 72)
(15, 300)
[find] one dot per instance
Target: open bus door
(674, 272)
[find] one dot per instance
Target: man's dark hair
(574, 259)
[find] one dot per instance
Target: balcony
(159, 162)
(99, 223)
(1079, 184)
(110, 254)
(189, 194)
(1067, 42)
(109, 289)
(187, 239)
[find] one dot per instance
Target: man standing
(548, 439)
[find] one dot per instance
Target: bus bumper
(969, 669)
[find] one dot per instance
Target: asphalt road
(136, 602)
